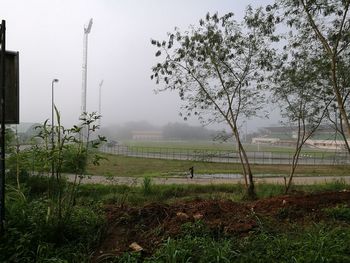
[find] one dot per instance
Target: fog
(49, 36)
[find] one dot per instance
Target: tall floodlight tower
(99, 102)
(87, 30)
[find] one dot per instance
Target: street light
(52, 126)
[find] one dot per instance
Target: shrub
(32, 231)
(147, 186)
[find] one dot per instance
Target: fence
(225, 156)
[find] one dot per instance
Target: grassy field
(199, 148)
(116, 165)
(218, 146)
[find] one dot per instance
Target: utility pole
(87, 30)
(99, 102)
(9, 86)
(2, 119)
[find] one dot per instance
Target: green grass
(212, 146)
(327, 241)
(181, 144)
(149, 192)
(32, 230)
(30, 235)
(318, 243)
(340, 212)
(116, 165)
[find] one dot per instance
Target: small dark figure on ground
(191, 172)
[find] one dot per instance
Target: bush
(74, 159)
(32, 231)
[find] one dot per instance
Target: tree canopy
(219, 68)
(325, 24)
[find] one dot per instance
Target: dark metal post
(2, 119)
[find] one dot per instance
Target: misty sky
(49, 36)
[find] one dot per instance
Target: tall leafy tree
(326, 25)
(219, 69)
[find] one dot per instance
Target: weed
(314, 244)
(147, 187)
(194, 249)
(31, 230)
(340, 212)
(198, 228)
(268, 190)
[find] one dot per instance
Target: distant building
(264, 140)
(323, 138)
(147, 135)
(327, 144)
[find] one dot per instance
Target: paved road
(300, 180)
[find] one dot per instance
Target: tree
(299, 90)
(219, 70)
(326, 24)
(333, 113)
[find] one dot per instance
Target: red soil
(151, 224)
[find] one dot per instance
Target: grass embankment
(30, 226)
(279, 238)
(116, 165)
(318, 243)
(149, 192)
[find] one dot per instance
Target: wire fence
(225, 156)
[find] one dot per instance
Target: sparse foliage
(71, 152)
(326, 26)
(301, 91)
(219, 69)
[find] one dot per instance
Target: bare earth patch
(149, 225)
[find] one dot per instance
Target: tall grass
(147, 186)
(318, 243)
(148, 192)
(32, 227)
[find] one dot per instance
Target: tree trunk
(292, 168)
(251, 188)
(243, 168)
(246, 168)
(344, 118)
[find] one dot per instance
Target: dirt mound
(300, 205)
(149, 225)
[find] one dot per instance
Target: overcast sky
(49, 36)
